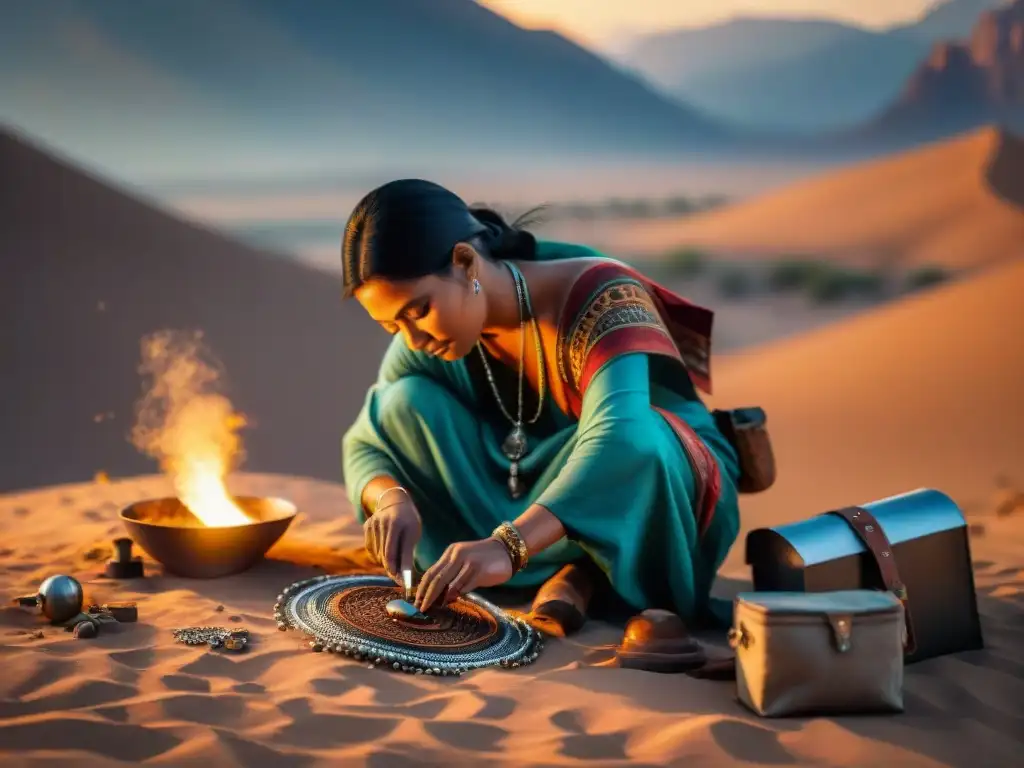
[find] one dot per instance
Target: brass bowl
(174, 537)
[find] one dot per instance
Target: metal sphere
(60, 598)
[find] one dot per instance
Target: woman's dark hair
(408, 228)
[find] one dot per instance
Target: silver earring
(476, 285)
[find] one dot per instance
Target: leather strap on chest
(877, 543)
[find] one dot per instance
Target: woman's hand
(463, 567)
(391, 536)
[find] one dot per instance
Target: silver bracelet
(382, 494)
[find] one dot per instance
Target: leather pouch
(819, 653)
(747, 430)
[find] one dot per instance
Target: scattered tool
(407, 583)
(124, 565)
(125, 613)
(59, 598)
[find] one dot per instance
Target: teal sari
(637, 473)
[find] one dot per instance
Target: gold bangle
(518, 553)
(510, 548)
(385, 492)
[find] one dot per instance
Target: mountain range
(225, 86)
(803, 75)
(962, 84)
(239, 90)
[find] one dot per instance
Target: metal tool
(123, 612)
(123, 565)
(407, 583)
(60, 598)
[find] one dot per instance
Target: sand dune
(89, 270)
(958, 204)
(924, 392)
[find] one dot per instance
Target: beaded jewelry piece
(347, 615)
(215, 637)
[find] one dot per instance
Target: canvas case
(820, 653)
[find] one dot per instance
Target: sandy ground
(134, 696)
(921, 393)
(958, 204)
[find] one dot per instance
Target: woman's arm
(607, 476)
(611, 450)
(610, 469)
(366, 466)
(539, 528)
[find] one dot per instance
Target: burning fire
(186, 425)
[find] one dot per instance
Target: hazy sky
(598, 21)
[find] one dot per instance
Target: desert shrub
(824, 282)
(688, 262)
(791, 274)
(678, 205)
(868, 284)
(735, 283)
(828, 284)
(925, 277)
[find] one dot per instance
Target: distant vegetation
(925, 277)
(638, 208)
(289, 234)
(821, 281)
(688, 262)
(824, 282)
(735, 283)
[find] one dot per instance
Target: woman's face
(438, 314)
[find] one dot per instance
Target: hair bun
(505, 241)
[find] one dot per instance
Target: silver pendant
(516, 488)
(515, 444)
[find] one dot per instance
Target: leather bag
(822, 653)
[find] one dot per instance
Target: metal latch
(842, 631)
(739, 636)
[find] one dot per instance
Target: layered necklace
(516, 445)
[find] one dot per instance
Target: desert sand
(134, 696)
(905, 397)
(924, 392)
(958, 204)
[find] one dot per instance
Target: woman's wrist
(539, 529)
(380, 492)
(512, 540)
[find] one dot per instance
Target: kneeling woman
(537, 408)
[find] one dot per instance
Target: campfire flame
(189, 427)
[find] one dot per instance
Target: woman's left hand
(463, 567)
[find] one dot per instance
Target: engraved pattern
(461, 624)
(617, 304)
(306, 606)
